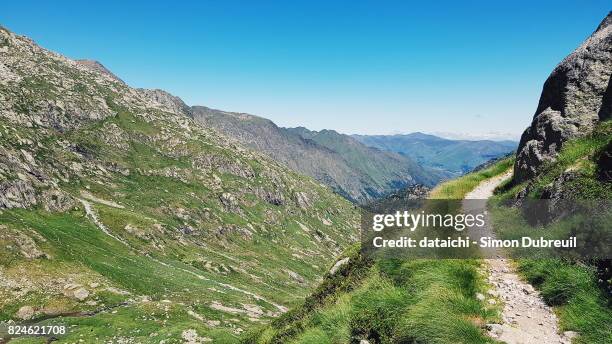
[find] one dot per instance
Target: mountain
(355, 171)
(453, 156)
(575, 98)
(97, 67)
(124, 219)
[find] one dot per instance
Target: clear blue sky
(354, 66)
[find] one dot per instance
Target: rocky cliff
(576, 96)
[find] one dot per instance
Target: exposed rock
(361, 175)
(224, 231)
(411, 192)
(168, 101)
(496, 329)
(76, 291)
(80, 294)
(527, 289)
(28, 246)
(275, 197)
(17, 194)
(295, 276)
(55, 200)
(302, 200)
(223, 164)
(339, 264)
(25, 313)
(229, 202)
(574, 98)
(97, 67)
(186, 230)
(213, 323)
(480, 297)
(65, 129)
(190, 336)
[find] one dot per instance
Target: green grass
(457, 188)
(172, 237)
(568, 285)
(578, 156)
(394, 300)
(160, 261)
(579, 302)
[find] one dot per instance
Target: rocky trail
(526, 319)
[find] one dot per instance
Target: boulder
(81, 294)
(76, 291)
(17, 194)
(338, 265)
(575, 97)
(25, 313)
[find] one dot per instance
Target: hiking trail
(526, 319)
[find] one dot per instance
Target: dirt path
(526, 318)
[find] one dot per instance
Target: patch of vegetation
(394, 300)
(578, 156)
(570, 285)
(458, 188)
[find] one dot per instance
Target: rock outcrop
(575, 97)
(96, 66)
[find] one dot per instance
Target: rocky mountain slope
(355, 171)
(136, 224)
(453, 156)
(576, 96)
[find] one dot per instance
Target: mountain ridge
(361, 176)
(455, 156)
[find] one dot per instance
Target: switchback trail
(526, 319)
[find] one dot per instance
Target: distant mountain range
(354, 170)
(359, 167)
(453, 157)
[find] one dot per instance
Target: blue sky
(374, 67)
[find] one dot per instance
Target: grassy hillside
(127, 221)
(580, 290)
(394, 301)
(381, 166)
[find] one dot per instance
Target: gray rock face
(339, 264)
(17, 194)
(97, 67)
(25, 313)
(166, 100)
(576, 95)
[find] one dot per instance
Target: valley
(128, 216)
